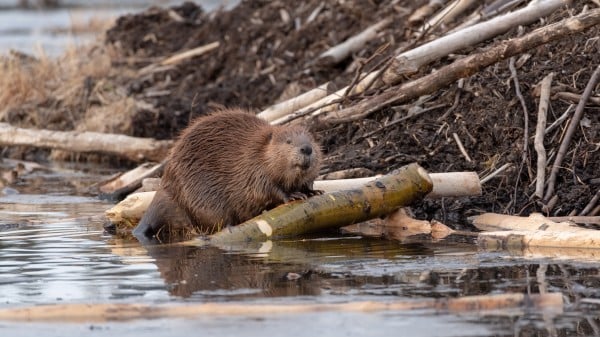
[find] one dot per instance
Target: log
(448, 184)
(535, 221)
(514, 232)
(580, 239)
(333, 210)
(109, 312)
(132, 148)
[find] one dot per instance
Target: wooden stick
(178, 58)
(132, 148)
(284, 108)
(448, 184)
(472, 64)
(573, 125)
(338, 53)
(461, 147)
(102, 312)
(539, 135)
(448, 14)
(412, 60)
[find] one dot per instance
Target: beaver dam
(503, 94)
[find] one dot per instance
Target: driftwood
(124, 312)
(472, 64)
(132, 148)
(412, 60)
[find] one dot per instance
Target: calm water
(53, 250)
(75, 22)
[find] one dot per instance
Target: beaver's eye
(289, 141)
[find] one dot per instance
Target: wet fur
(228, 167)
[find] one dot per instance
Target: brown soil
(268, 53)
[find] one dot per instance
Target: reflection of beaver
(229, 167)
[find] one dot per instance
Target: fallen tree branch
(125, 312)
(132, 148)
(472, 64)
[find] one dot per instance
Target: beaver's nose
(306, 150)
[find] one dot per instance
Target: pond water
(53, 250)
(36, 30)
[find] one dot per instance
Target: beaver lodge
(382, 84)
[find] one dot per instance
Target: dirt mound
(268, 50)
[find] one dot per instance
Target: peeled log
(132, 148)
(334, 210)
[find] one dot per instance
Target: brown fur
(230, 166)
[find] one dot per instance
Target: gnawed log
(124, 312)
(334, 210)
(132, 148)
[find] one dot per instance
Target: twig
(495, 173)
(461, 147)
(573, 124)
(515, 77)
(178, 58)
(560, 119)
(539, 135)
(459, 88)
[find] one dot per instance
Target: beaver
(228, 167)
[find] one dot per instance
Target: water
(75, 22)
(53, 250)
